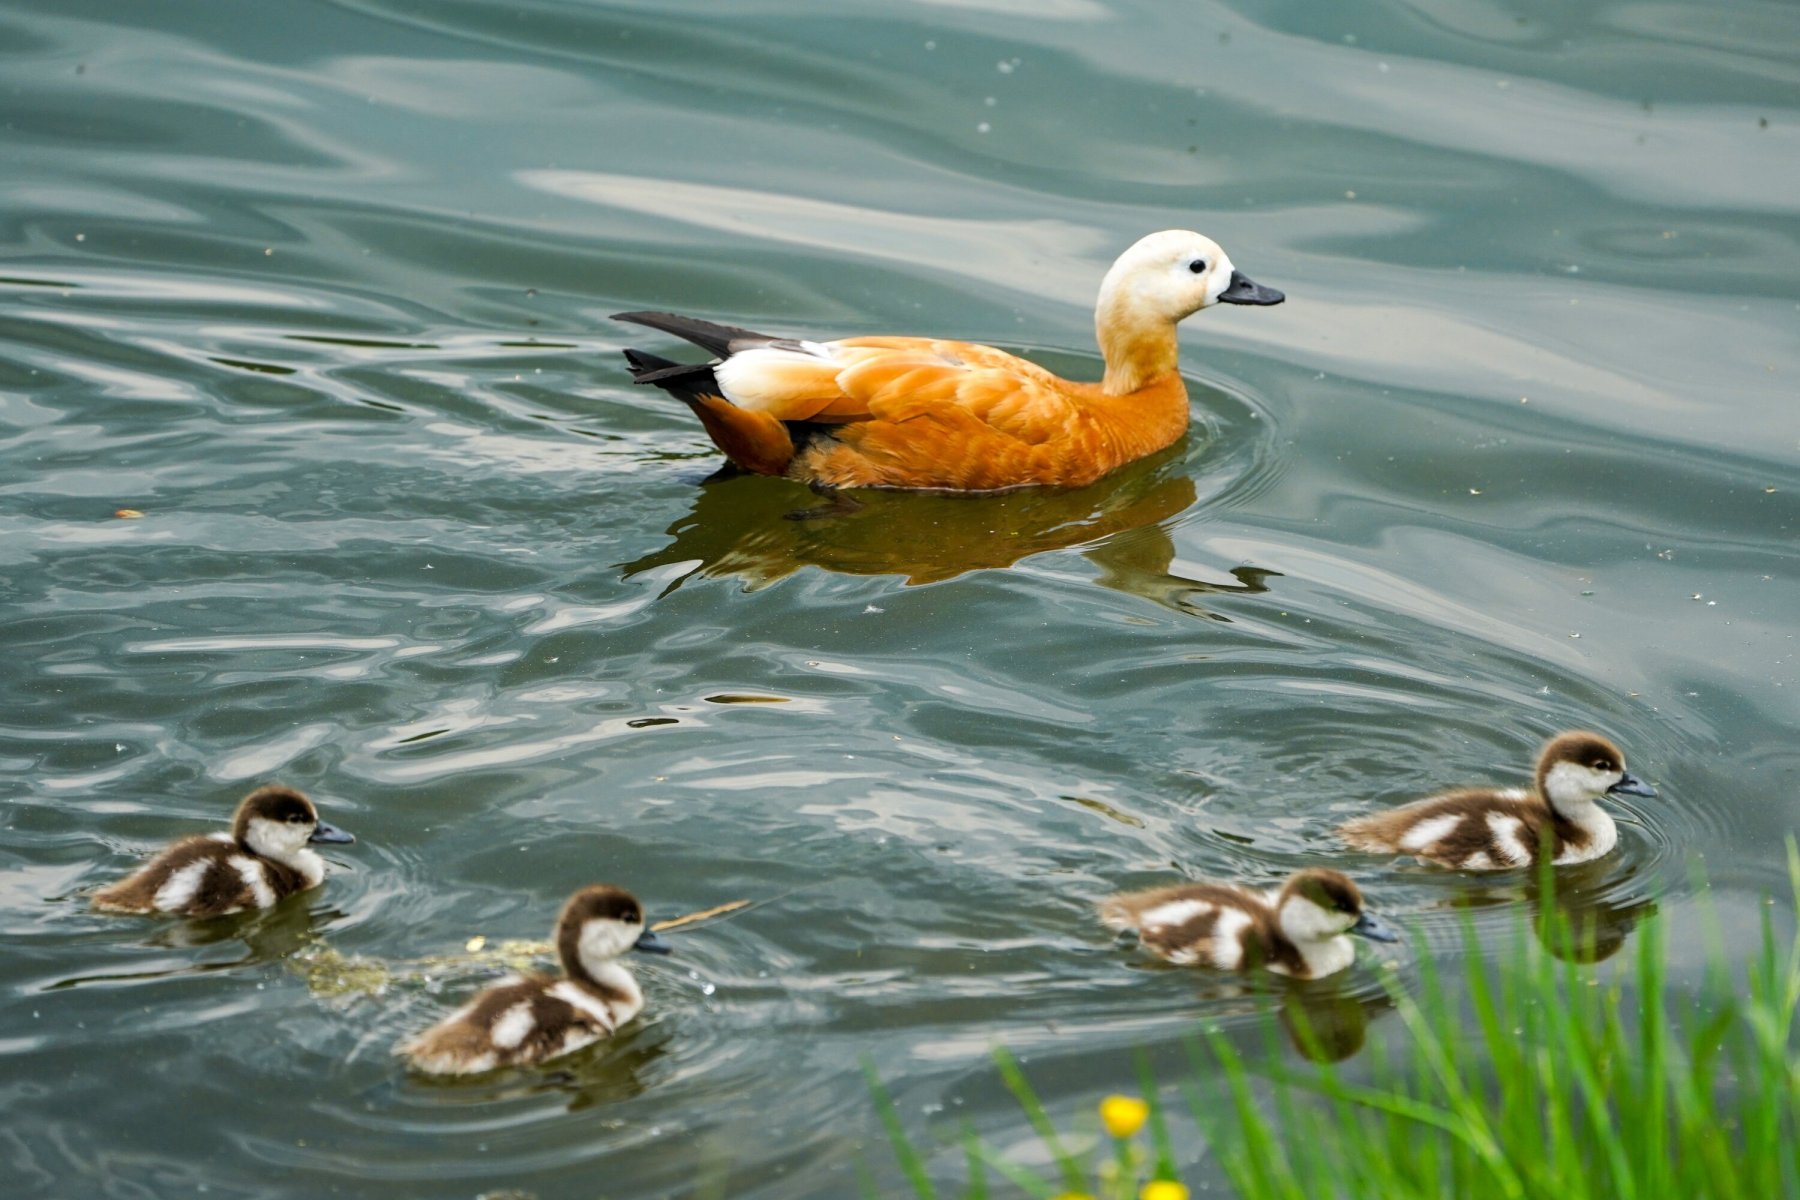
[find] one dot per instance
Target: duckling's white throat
(285, 842)
(1317, 934)
(1572, 790)
(1602, 833)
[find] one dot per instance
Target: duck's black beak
(649, 943)
(1631, 785)
(324, 831)
(1244, 290)
(1374, 928)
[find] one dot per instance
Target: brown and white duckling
(1496, 829)
(532, 1018)
(262, 860)
(1298, 929)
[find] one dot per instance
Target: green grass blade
(1163, 1150)
(977, 1189)
(911, 1164)
(1016, 1083)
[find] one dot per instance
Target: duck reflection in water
(1581, 916)
(269, 935)
(624, 1070)
(1326, 1021)
(1121, 525)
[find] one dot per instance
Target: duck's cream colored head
(1578, 767)
(1162, 279)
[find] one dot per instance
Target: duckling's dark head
(1580, 766)
(277, 821)
(598, 924)
(1318, 903)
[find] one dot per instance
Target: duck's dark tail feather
(754, 441)
(722, 340)
(683, 379)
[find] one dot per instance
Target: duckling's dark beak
(1631, 785)
(1244, 290)
(324, 831)
(1374, 928)
(649, 943)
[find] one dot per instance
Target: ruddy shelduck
(265, 858)
(534, 1018)
(918, 412)
(1497, 829)
(1299, 929)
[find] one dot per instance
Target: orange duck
(915, 412)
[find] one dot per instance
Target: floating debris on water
(333, 975)
(705, 914)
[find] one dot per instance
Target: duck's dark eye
(1198, 266)
(296, 818)
(1600, 764)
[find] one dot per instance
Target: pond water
(321, 290)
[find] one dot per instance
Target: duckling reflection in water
(1497, 829)
(920, 412)
(1298, 929)
(1581, 914)
(265, 858)
(536, 1018)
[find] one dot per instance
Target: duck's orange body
(907, 412)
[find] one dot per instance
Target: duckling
(1496, 829)
(533, 1018)
(1297, 929)
(262, 860)
(920, 412)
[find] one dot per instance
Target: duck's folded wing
(900, 380)
(1188, 923)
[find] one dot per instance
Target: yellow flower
(1123, 1115)
(1163, 1189)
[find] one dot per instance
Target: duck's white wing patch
(468, 1009)
(582, 1002)
(577, 1036)
(1172, 913)
(180, 887)
(512, 1026)
(254, 877)
(765, 377)
(1227, 945)
(1509, 839)
(1428, 831)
